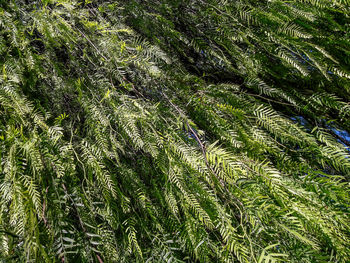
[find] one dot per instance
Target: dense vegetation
(174, 131)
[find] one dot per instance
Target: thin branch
(202, 146)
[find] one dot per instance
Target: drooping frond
(174, 131)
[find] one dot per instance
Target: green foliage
(162, 131)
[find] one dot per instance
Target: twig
(92, 44)
(203, 149)
(80, 220)
(202, 146)
(262, 97)
(44, 207)
(9, 233)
